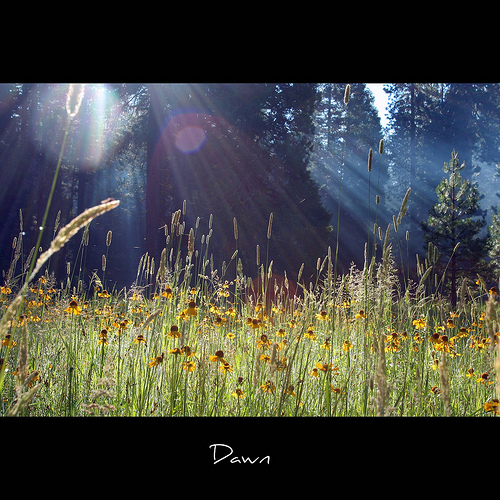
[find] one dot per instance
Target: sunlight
(99, 123)
(95, 127)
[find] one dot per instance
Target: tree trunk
(155, 199)
(453, 296)
(412, 149)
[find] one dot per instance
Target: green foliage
(494, 241)
(454, 224)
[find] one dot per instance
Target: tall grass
(186, 341)
(189, 338)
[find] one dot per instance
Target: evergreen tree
(344, 136)
(414, 117)
(456, 219)
(253, 160)
(494, 242)
(428, 120)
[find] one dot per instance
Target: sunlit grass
(186, 343)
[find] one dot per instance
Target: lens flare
(190, 139)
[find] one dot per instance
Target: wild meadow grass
(190, 339)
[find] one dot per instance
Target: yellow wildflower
(419, 324)
(493, 405)
(347, 346)
(73, 308)
(189, 366)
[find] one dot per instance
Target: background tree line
(240, 151)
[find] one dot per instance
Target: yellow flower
(218, 356)
(493, 291)
(434, 338)
(314, 373)
(450, 324)
(34, 377)
(220, 321)
(281, 332)
(8, 342)
(263, 342)
(189, 366)
(268, 387)
(483, 379)
(230, 335)
(122, 326)
(310, 333)
(140, 339)
(493, 405)
(360, 315)
(5, 290)
(104, 294)
(419, 324)
(156, 361)
(290, 391)
(215, 310)
(326, 344)
(254, 323)
(393, 341)
(192, 309)
(470, 373)
(187, 351)
(103, 337)
(230, 312)
(168, 293)
(347, 346)
(73, 308)
(325, 367)
(322, 316)
(174, 332)
(21, 321)
(175, 351)
(238, 393)
(225, 367)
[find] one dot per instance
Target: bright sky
(380, 100)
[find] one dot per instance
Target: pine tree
(453, 226)
(494, 242)
(343, 138)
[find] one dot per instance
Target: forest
(230, 155)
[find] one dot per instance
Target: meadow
(189, 338)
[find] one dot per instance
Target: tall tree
(344, 136)
(413, 110)
(456, 219)
(428, 120)
(236, 151)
